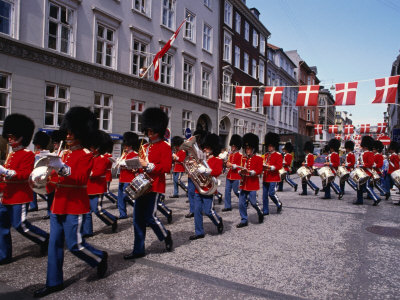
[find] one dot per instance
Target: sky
(348, 40)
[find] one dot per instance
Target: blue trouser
(191, 192)
(68, 227)
(15, 216)
(33, 203)
(96, 206)
(50, 198)
(204, 204)
(269, 191)
(335, 188)
(176, 177)
(162, 207)
(243, 197)
(380, 186)
(288, 180)
(122, 199)
(388, 182)
(231, 185)
(144, 213)
(350, 182)
(109, 195)
(306, 182)
(370, 192)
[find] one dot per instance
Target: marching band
(78, 178)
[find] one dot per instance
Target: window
(167, 110)
(280, 113)
(236, 127)
(238, 22)
(254, 68)
(254, 104)
(137, 107)
(246, 31)
(245, 128)
(5, 17)
(262, 45)
(103, 110)
(312, 116)
(308, 115)
(139, 57)
(269, 79)
(187, 121)
(261, 72)
(56, 104)
(142, 6)
(237, 57)
(105, 46)
(59, 35)
(205, 84)
(207, 37)
(5, 95)
(168, 13)
(246, 63)
(187, 77)
(207, 3)
(190, 26)
(255, 38)
(166, 69)
(227, 47)
(253, 128)
(228, 14)
(285, 117)
(226, 87)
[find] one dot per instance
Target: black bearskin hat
(106, 141)
(326, 149)
(176, 141)
(367, 142)
(212, 141)
(156, 119)
(19, 126)
(42, 139)
(200, 137)
(334, 144)
(272, 139)
(378, 145)
(130, 139)
(81, 122)
(250, 140)
(288, 147)
(308, 146)
(57, 136)
(349, 145)
(236, 140)
(99, 141)
(109, 144)
(394, 146)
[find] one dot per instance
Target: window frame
(56, 100)
(143, 9)
(255, 38)
(237, 57)
(136, 114)
(246, 31)
(105, 42)
(171, 22)
(207, 38)
(188, 15)
(227, 48)
(228, 13)
(187, 120)
(226, 87)
(246, 66)
(238, 22)
(207, 82)
(6, 91)
(169, 66)
(102, 107)
(139, 55)
(188, 76)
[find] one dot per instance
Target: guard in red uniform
(130, 145)
(378, 164)
(233, 176)
(71, 201)
(97, 184)
(333, 162)
(308, 163)
(251, 168)
(204, 203)
(109, 150)
(156, 160)
(18, 131)
(178, 156)
(272, 164)
(366, 161)
(287, 162)
(349, 163)
(393, 164)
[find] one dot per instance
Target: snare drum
(343, 173)
(304, 172)
(396, 178)
(326, 174)
(359, 176)
(375, 175)
(282, 173)
(139, 185)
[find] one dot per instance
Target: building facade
(393, 111)
(326, 115)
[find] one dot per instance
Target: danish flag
(243, 97)
(381, 128)
(338, 136)
(386, 89)
(317, 129)
(273, 96)
(348, 129)
(364, 128)
(346, 93)
(347, 137)
(333, 129)
(164, 50)
(308, 95)
(357, 137)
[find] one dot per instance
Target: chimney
(255, 12)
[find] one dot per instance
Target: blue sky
(348, 40)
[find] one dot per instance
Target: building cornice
(9, 46)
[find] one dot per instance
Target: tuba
(205, 184)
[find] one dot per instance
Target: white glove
(3, 170)
(201, 155)
(203, 170)
(234, 167)
(122, 164)
(252, 173)
(7, 173)
(56, 163)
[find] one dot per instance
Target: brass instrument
(205, 184)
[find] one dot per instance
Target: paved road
(316, 249)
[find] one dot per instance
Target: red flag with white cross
(273, 96)
(346, 93)
(308, 95)
(333, 129)
(318, 129)
(386, 89)
(348, 129)
(365, 128)
(381, 128)
(243, 97)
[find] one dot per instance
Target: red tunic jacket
(378, 163)
(234, 158)
(160, 155)
(108, 172)
(216, 166)
(309, 160)
(254, 163)
(97, 183)
(178, 167)
(367, 161)
(350, 161)
(393, 163)
(287, 161)
(71, 191)
(274, 160)
(334, 161)
(16, 190)
(125, 175)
